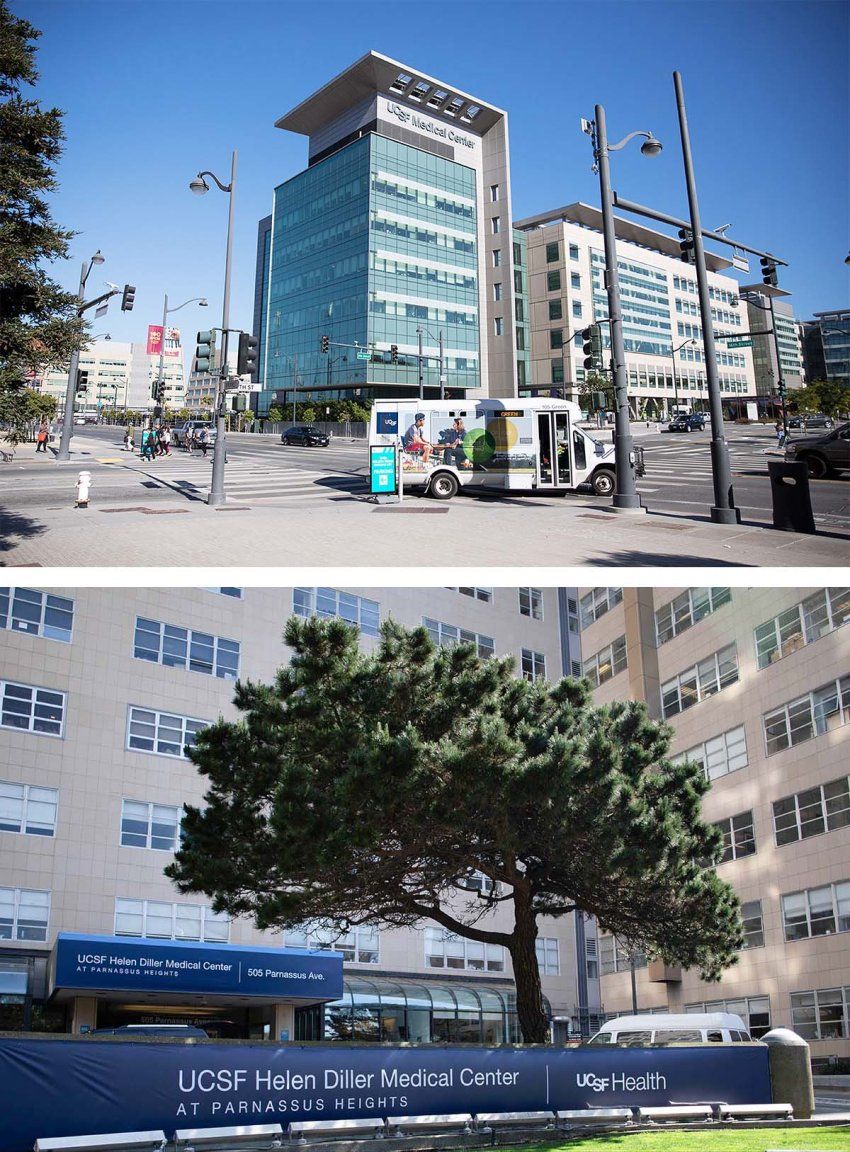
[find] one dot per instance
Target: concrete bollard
(83, 486)
(790, 1071)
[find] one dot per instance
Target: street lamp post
(419, 360)
(64, 452)
(626, 498)
(160, 374)
(673, 352)
(441, 360)
(723, 511)
(199, 186)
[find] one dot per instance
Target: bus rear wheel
(603, 482)
(443, 486)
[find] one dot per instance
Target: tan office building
(102, 690)
(756, 685)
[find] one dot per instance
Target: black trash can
(792, 501)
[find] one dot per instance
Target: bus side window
(717, 1037)
(579, 450)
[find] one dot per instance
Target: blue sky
(154, 90)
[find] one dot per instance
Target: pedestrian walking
(203, 441)
(189, 439)
(166, 439)
(129, 441)
(148, 444)
(41, 438)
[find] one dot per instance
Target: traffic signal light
(326, 345)
(394, 353)
(158, 391)
(205, 342)
(768, 272)
(592, 346)
(129, 298)
(82, 380)
(247, 359)
(686, 244)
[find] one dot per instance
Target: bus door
(553, 457)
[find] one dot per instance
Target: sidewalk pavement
(351, 531)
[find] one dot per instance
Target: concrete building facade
(790, 366)
(658, 291)
(826, 346)
(756, 685)
(101, 691)
(399, 226)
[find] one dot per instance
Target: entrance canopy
(88, 965)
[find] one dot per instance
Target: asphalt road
(262, 470)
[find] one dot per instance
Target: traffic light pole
(64, 452)
(217, 495)
(626, 498)
(160, 381)
(723, 510)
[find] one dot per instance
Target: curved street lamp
(201, 301)
(626, 498)
(200, 187)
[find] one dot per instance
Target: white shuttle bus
(532, 445)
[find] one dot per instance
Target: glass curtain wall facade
(369, 245)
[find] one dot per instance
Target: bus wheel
(603, 482)
(443, 486)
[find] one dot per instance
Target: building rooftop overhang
(628, 230)
(375, 73)
(764, 290)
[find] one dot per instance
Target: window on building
(739, 838)
(496, 225)
(577, 309)
(330, 603)
(150, 825)
(485, 594)
(687, 609)
(31, 709)
(531, 602)
(615, 956)
(553, 253)
(518, 260)
(556, 338)
(822, 1014)
(753, 1010)
(185, 648)
(705, 679)
(553, 281)
(574, 251)
(546, 949)
(821, 711)
(556, 310)
(497, 291)
(236, 593)
(575, 280)
(812, 811)
(27, 809)
(597, 602)
(498, 326)
(24, 914)
(520, 340)
(557, 371)
(533, 664)
(37, 613)
(494, 193)
(162, 920)
(817, 911)
(360, 945)
(497, 258)
(753, 924)
(163, 733)
(607, 662)
(445, 950)
(719, 756)
(476, 881)
(817, 615)
(447, 635)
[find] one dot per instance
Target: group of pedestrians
(196, 438)
(154, 442)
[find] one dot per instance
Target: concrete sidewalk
(351, 531)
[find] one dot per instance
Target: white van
(532, 445)
(672, 1028)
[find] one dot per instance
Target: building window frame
(719, 755)
(173, 646)
(161, 725)
(553, 252)
(361, 944)
(812, 811)
(615, 956)
(595, 603)
(807, 717)
(701, 681)
(45, 714)
(444, 949)
(448, 635)
(37, 613)
(607, 663)
(817, 615)
(213, 927)
(531, 603)
(739, 836)
(19, 918)
(548, 957)
(814, 1016)
(825, 908)
(747, 1007)
(553, 280)
(144, 824)
(533, 664)
(34, 809)
(335, 604)
(687, 609)
(752, 919)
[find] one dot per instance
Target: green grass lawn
(749, 1140)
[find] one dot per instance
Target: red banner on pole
(154, 339)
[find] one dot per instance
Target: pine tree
(38, 320)
(368, 788)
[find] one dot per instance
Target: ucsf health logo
(620, 1082)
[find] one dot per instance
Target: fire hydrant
(83, 485)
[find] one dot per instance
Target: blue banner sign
(81, 1087)
(112, 963)
(383, 470)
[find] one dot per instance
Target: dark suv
(307, 434)
(691, 422)
(825, 455)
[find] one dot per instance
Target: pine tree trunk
(533, 1024)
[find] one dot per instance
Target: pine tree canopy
(368, 787)
(38, 319)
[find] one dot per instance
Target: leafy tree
(21, 407)
(827, 396)
(593, 383)
(275, 415)
(365, 788)
(39, 325)
(308, 413)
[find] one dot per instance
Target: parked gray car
(178, 434)
(825, 455)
